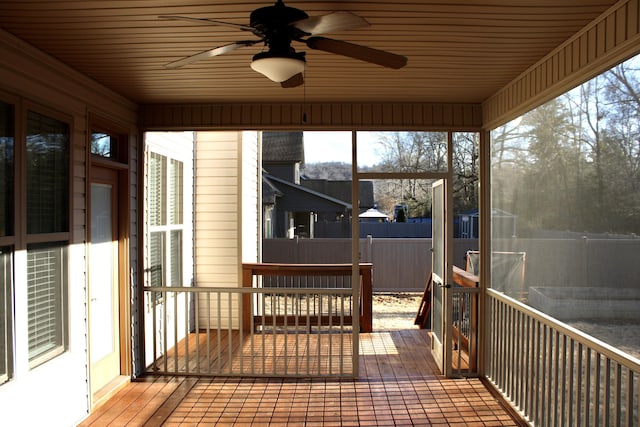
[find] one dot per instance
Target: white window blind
(45, 278)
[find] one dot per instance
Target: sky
(322, 146)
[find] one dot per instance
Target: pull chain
(304, 97)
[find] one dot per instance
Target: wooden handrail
(464, 278)
(273, 269)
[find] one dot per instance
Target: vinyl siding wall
(224, 204)
(35, 81)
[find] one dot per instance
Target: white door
(441, 292)
(104, 319)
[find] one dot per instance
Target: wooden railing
(308, 277)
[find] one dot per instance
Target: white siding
(217, 213)
(251, 204)
(226, 212)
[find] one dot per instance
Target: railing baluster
(164, 331)
(629, 399)
(598, 387)
(154, 316)
(186, 332)
(230, 330)
(219, 331)
(263, 298)
(556, 373)
(209, 361)
(579, 389)
(607, 391)
(587, 385)
(617, 394)
(297, 331)
(308, 351)
(241, 331)
(196, 310)
(252, 327)
(285, 354)
(176, 368)
(273, 333)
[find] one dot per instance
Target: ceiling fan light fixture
(278, 67)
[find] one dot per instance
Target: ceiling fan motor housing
(273, 24)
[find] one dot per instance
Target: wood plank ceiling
(457, 50)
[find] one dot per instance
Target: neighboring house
(293, 204)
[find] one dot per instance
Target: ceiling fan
(277, 27)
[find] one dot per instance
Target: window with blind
(46, 300)
(47, 214)
(165, 220)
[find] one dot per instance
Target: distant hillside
(335, 171)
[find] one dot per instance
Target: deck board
(398, 385)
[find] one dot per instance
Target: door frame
(98, 167)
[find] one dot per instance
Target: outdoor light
(278, 67)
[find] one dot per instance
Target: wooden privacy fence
(314, 309)
(401, 265)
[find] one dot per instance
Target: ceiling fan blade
(294, 81)
(207, 21)
(356, 51)
(332, 22)
(210, 53)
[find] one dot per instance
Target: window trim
(166, 228)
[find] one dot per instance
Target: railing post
(247, 313)
(366, 298)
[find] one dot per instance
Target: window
(46, 300)
(47, 175)
(44, 159)
(7, 206)
(7, 135)
(104, 145)
(106, 142)
(165, 221)
(47, 214)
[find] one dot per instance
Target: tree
(415, 152)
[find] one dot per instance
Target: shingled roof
(279, 147)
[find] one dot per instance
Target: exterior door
(104, 317)
(441, 292)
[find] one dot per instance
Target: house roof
(269, 190)
(341, 189)
(282, 147)
(285, 186)
(461, 51)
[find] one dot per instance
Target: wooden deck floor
(398, 385)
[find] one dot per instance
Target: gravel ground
(395, 311)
